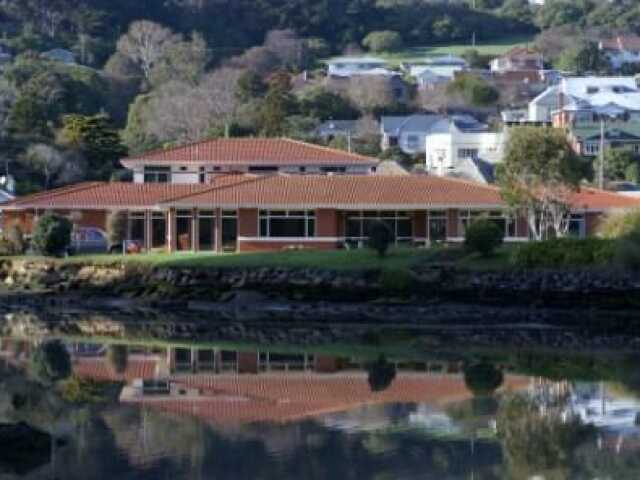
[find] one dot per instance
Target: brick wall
(247, 222)
(326, 223)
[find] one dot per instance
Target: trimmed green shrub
(626, 251)
(52, 235)
(380, 237)
(381, 374)
(483, 378)
(51, 362)
(564, 252)
(483, 236)
(619, 224)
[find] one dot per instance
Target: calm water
(389, 410)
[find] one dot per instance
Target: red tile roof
(343, 191)
(253, 151)
(296, 191)
(629, 42)
(521, 52)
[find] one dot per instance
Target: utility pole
(601, 169)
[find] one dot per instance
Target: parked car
(88, 240)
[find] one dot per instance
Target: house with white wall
(452, 150)
(410, 132)
(351, 65)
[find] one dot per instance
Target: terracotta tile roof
(100, 370)
(626, 42)
(343, 191)
(300, 191)
(96, 195)
(281, 398)
(595, 199)
(521, 52)
(254, 151)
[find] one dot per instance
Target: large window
(577, 226)
(158, 230)
(504, 221)
(468, 153)
(291, 223)
(184, 229)
(206, 230)
(436, 226)
(137, 227)
(153, 174)
(358, 224)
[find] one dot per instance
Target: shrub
(380, 237)
(564, 252)
(118, 358)
(483, 378)
(626, 251)
(117, 225)
(6, 248)
(80, 391)
(52, 235)
(16, 238)
(618, 225)
(51, 362)
(383, 41)
(483, 237)
(381, 374)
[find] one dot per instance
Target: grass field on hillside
(495, 47)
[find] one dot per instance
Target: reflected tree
(51, 362)
(538, 441)
(118, 358)
(381, 374)
(483, 378)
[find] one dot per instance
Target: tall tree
(278, 104)
(146, 43)
(538, 176)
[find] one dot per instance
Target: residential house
(349, 66)
(518, 58)
(275, 211)
(409, 132)
(460, 149)
(598, 109)
(622, 50)
(436, 70)
(60, 55)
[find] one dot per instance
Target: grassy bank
(496, 47)
(362, 259)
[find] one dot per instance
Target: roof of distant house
(521, 52)
(622, 42)
(356, 59)
(251, 151)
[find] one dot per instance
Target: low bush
(380, 237)
(52, 235)
(618, 225)
(564, 252)
(483, 237)
(626, 251)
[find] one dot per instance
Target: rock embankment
(422, 284)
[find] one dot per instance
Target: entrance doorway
(206, 230)
(229, 231)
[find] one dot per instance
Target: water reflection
(186, 410)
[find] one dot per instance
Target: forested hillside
(148, 73)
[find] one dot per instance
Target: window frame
(266, 216)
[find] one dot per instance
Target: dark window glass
(183, 231)
(437, 229)
(405, 228)
(311, 227)
(137, 229)
(287, 227)
(353, 228)
(206, 234)
(263, 168)
(158, 232)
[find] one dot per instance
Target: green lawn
(495, 47)
(396, 259)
